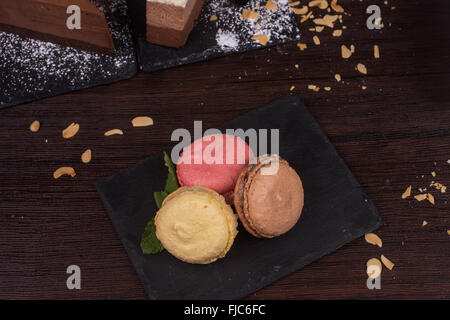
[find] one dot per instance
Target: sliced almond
(113, 132)
(376, 51)
(86, 157)
(306, 17)
(336, 7)
(213, 18)
(387, 263)
(64, 171)
(338, 78)
(261, 38)
(71, 130)
(345, 52)
(327, 88)
(361, 68)
(302, 10)
(319, 28)
(424, 223)
(295, 3)
(270, 5)
(420, 197)
(448, 232)
(250, 15)
(321, 4)
(142, 121)
(316, 40)
(374, 268)
(337, 33)
(34, 126)
(327, 20)
(372, 238)
(407, 193)
(430, 198)
(302, 46)
(292, 88)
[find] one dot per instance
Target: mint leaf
(172, 181)
(150, 243)
(159, 197)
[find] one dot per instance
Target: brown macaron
(268, 197)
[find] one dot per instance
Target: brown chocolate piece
(170, 25)
(45, 20)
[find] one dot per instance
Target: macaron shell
(199, 251)
(193, 227)
(220, 177)
(273, 203)
(238, 199)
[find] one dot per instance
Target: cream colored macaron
(196, 225)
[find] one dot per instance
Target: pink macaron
(214, 161)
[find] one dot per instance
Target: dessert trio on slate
(196, 224)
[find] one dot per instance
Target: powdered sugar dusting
(32, 69)
(233, 30)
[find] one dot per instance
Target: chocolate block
(169, 25)
(46, 20)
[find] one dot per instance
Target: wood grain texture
(389, 135)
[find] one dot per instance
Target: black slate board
(201, 44)
(336, 212)
(32, 69)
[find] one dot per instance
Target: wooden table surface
(392, 135)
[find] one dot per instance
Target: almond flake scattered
(270, 5)
(250, 15)
(296, 66)
(295, 3)
(374, 268)
(387, 263)
(316, 40)
(336, 7)
(261, 38)
(64, 171)
(302, 10)
(420, 197)
(364, 87)
(34, 126)
(337, 76)
(322, 4)
(424, 223)
(113, 132)
(313, 87)
(361, 68)
(71, 130)
(304, 18)
(448, 232)
(327, 88)
(302, 46)
(433, 173)
(327, 20)
(292, 88)
(213, 18)
(345, 52)
(407, 193)
(430, 198)
(337, 33)
(142, 121)
(376, 51)
(372, 238)
(86, 157)
(319, 28)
